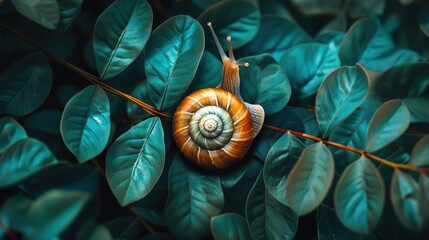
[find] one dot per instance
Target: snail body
(213, 127)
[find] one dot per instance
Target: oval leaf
(25, 85)
(420, 153)
(10, 132)
(193, 198)
(229, 226)
(85, 123)
(43, 12)
(359, 196)
(310, 179)
(340, 94)
(319, 60)
(241, 25)
(265, 83)
(267, 217)
(419, 108)
(171, 59)
(22, 159)
(120, 35)
(404, 197)
(135, 161)
(388, 123)
(69, 10)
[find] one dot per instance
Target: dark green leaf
(388, 123)
(423, 195)
(310, 179)
(22, 159)
(231, 178)
(45, 120)
(171, 59)
(120, 35)
(359, 196)
(424, 20)
(331, 38)
(69, 10)
(13, 212)
(265, 83)
(135, 112)
(343, 91)
(126, 227)
(267, 217)
(419, 108)
(135, 161)
(10, 132)
(209, 73)
(420, 153)
(93, 231)
(229, 226)
(158, 236)
(316, 7)
(152, 206)
(43, 12)
(358, 8)
(319, 60)
(85, 123)
(25, 85)
(193, 198)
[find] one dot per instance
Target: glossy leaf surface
(22, 159)
(135, 161)
(359, 196)
(120, 35)
(193, 198)
(267, 217)
(388, 123)
(420, 153)
(25, 85)
(310, 179)
(10, 132)
(43, 12)
(85, 123)
(340, 94)
(229, 226)
(171, 59)
(319, 59)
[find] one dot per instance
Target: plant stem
(8, 233)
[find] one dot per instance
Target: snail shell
(213, 128)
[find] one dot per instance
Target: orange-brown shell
(232, 151)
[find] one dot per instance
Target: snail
(213, 127)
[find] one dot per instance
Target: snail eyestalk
(219, 47)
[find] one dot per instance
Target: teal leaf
(158, 236)
(125, 227)
(319, 59)
(69, 10)
(51, 213)
(343, 91)
(420, 153)
(358, 8)
(120, 35)
(423, 195)
(135, 161)
(22, 159)
(171, 59)
(45, 120)
(135, 112)
(13, 212)
(276, 35)
(331, 38)
(209, 72)
(265, 83)
(278, 164)
(388, 123)
(229, 226)
(316, 7)
(10, 132)
(229, 179)
(25, 85)
(193, 198)
(310, 179)
(404, 196)
(419, 108)
(152, 206)
(359, 196)
(43, 12)
(93, 231)
(85, 123)
(268, 218)
(424, 20)
(241, 25)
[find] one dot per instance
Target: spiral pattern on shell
(213, 128)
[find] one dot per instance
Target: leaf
(424, 20)
(152, 206)
(366, 8)
(404, 197)
(423, 195)
(319, 59)
(120, 35)
(69, 10)
(278, 164)
(158, 236)
(10, 132)
(241, 25)
(420, 153)
(230, 178)
(193, 198)
(267, 217)
(13, 212)
(171, 59)
(359, 196)
(316, 7)
(388, 123)
(265, 83)
(419, 108)
(276, 35)
(229, 226)
(22, 159)
(331, 38)
(93, 231)
(310, 179)
(135, 112)
(25, 85)
(209, 73)
(135, 161)
(43, 12)
(51, 213)
(126, 227)
(85, 123)
(45, 120)
(342, 92)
